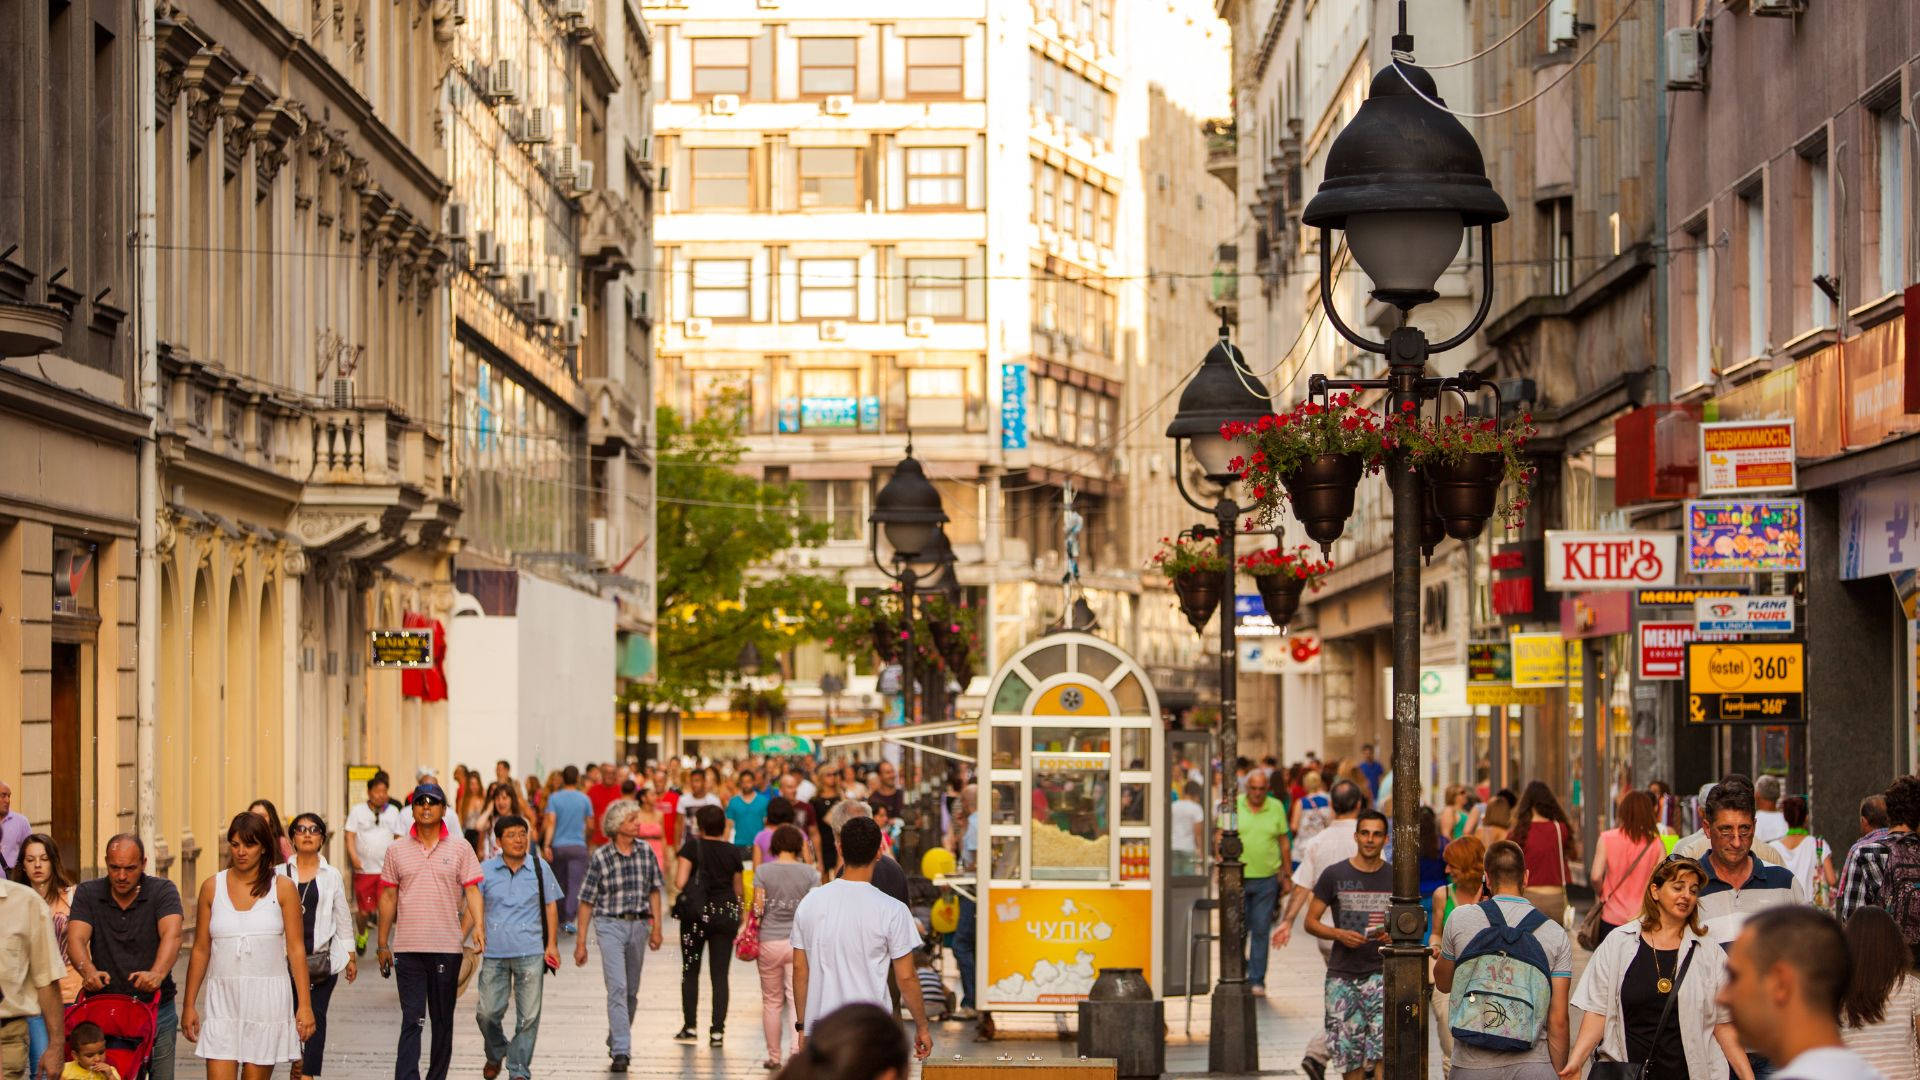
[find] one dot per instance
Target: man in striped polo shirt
(427, 874)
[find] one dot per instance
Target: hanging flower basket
(1466, 463)
(1199, 594)
(886, 641)
(1281, 576)
(1312, 455)
(1196, 566)
(1322, 493)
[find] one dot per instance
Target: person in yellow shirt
(89, 1045)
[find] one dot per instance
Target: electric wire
(1400, 59)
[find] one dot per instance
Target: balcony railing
(1223, 152)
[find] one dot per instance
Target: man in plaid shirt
(1866, 870)
(623, 887)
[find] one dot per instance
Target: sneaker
(1314, 1068)
(490, 1070)
(716, 1037)
(685, 1033)
(360, 943)
(966, 1014)
(619, 1063)
(1259, 990)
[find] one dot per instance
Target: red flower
(1408, 406)
(1259, 457)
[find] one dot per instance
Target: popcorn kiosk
(1073, 807)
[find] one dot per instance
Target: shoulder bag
(1635, 1070)
(1589, 934)
(1566, 872)
(540, 886)
(691, 903)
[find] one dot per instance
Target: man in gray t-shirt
(1507, 876)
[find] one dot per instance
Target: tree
(718, 531)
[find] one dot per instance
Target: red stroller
(130, 1023)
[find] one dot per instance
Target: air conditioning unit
(564, 161)
(698, 328)
(644, 152)
(1686, 59)
(919, 326)
(1778, 9)
(340, 393)
(503, 257)
(574, 9)
(570, 333)
(582, 178)
(485, 251)
(837, 104)
(1563, 23)
(536, 124)
(543, 308)
(457, 221)
(503, 81)
(525, 289)
(665, 176)
(459, 12)
(724, 104)
(597, 541)
(833, 330)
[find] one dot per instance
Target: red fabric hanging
(427, 684)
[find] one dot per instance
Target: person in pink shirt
(426, 876)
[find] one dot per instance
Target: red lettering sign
(1663, 648)
(1513, 596)
(1583, 560)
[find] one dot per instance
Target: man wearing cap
(426, 876)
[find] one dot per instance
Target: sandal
(771, 1065)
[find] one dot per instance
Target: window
(936, 176)
(1069, 206)
(827, 288)
(1557, 216)
(1754, 215)
(934, 66)
(1049, 394)
(1819, 240)
(829, 178)
(720, 65)
(1089, 416)
(723, 391)
(838, 504)
(829, 382)
(1069, 414)
(1049, 86)
(1086, 209)
(826, 66)
(935, 287)
(1893, 196)
(936, 398)
(1702, 307)
(720, 288)
(1104, 237)
(1049, 180)
(722, 178)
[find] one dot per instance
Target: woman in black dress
(707, 881)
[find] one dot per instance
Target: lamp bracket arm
(1180, 481)
(1326, 298)
(1486, 295)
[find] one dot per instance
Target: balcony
(610, 235)
(1223, 152)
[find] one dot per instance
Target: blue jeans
(1262, 894)
(964, 941)
(36, 1045)
(518, 977)
(623, 952)
(166, 1034)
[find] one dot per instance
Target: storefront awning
(909, 736)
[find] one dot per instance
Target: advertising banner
(1744, 615)
(403, 649)
(1013, 406)
(1539, 660)
(1742, 682)
(1880, 527)
(1745, 456)
(1045, 946)
(1683, 597)
(1745, 536)
(1498, 696)
(1489, 662)
(1578, 561)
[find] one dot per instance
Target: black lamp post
(1222, 391)
(1403, 181)
(908, 509)
(748, 661)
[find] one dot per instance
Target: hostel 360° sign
(1742, 682)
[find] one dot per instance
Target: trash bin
(1121, 1020)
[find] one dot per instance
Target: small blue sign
(1248, 605)
(1013, 406)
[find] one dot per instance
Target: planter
(1465, 492)
(886, 643)
(1120, 984)
(1199, 595)
(1322, 494)
(1281, 594)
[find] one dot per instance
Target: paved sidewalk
(363, 1026)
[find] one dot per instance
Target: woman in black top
(824, 800)
(706, 876)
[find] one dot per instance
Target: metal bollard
(1121, 1020)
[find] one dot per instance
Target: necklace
(1661, 982)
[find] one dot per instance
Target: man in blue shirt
(567, 812)
(1372, 770)
(521, 899)
(747, 812)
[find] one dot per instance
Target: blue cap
(426, 791)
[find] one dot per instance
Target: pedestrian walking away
(422, 928)
(240, 1009)
(778, 888)
(372, 827)
(1808, 856)
(520, 895)
(326, 931)
(41, 870)
(1787, 973)
(708, 887)
(1649, 994)
(1877, 870)
(1881, 1011)
(847, 935)
(856, 1042)
(1466, 870)
(623, 888)
(123, 937)
(1356, 892)
(1512, 989)
(567, 812)
(1542, 830)
(30, 971)
(1263, 831)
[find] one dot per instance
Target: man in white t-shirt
(372, 827)
(1786, 974)
(1769, 824)
(699, 793)
(846, 934)
(1186, 821)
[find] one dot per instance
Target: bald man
(14, 828)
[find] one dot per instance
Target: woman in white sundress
(240, 1006)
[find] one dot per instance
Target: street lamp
(1222, 391)
(1403, 180)
(748, 661)
(908, 510)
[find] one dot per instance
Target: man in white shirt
(372, 827)
(847, 933)
(1186, 822)
(1786, 974)
(1769, 824)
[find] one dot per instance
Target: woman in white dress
(251, 1015)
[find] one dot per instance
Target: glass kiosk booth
(1073, 796)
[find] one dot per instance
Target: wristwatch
(800, 1026)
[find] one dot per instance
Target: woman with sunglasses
(1664, 954)
(327, 930)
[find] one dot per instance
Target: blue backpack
(1502, 987)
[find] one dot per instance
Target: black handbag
(691, 904)
(1635, 1070)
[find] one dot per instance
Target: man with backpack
(1507, 970)
(1886, 872)
(1357, 891)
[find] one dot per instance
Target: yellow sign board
(1576, 666)
(405, 649)
(1505, 695)
(1539, 660)
(1741, 682)
(1045, 946)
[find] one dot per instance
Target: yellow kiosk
(1073, 807)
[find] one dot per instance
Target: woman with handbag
(327, 926)
(1623, 862)
(1880, 1014)
(778, 887)
(1542, 830)
(707, 877)
(1648, 995)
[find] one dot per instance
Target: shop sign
(1013, 406)
(1539, 660)
(1743, 456)
(1880, 527)
(1046, 946)
(1746, 682)
(1489, 662)
(1683, 597)
(1294, 654)
(1578, 561)
(1443, 691)
(1663, 648)
(1595, 614)
(1500, 696)
(1517, 586)
(829, 414)
(1745, 615)
(404, 650)
(1746, 536)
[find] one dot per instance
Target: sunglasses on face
(306, 830)
(428, 800)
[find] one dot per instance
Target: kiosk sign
(405, 650)
(1046, 946)
(1746, 683)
